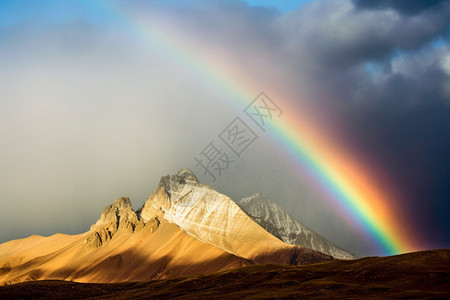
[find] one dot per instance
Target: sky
(99, 99)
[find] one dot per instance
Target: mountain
(119, 247)
(183, 228)
(281, 224)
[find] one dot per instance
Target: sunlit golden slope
(184, 228)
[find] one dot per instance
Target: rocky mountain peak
(256, 199)
(281, 224)
(187, 175)
(170, 194)
(209, 216)
(112, 213)
(201, 212)
(119, 216)
(122, 202)
(173, 183)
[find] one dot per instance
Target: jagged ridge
(281, 224)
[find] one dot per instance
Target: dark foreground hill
(419, 275)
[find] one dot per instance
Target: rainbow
(349, 186)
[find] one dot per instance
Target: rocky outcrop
(116, 217)
(281, 224)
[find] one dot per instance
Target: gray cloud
(335, 33)
(403, 6)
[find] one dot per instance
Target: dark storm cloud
(335, 33)
(401, 116)
(400, 113)
(403, 6)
